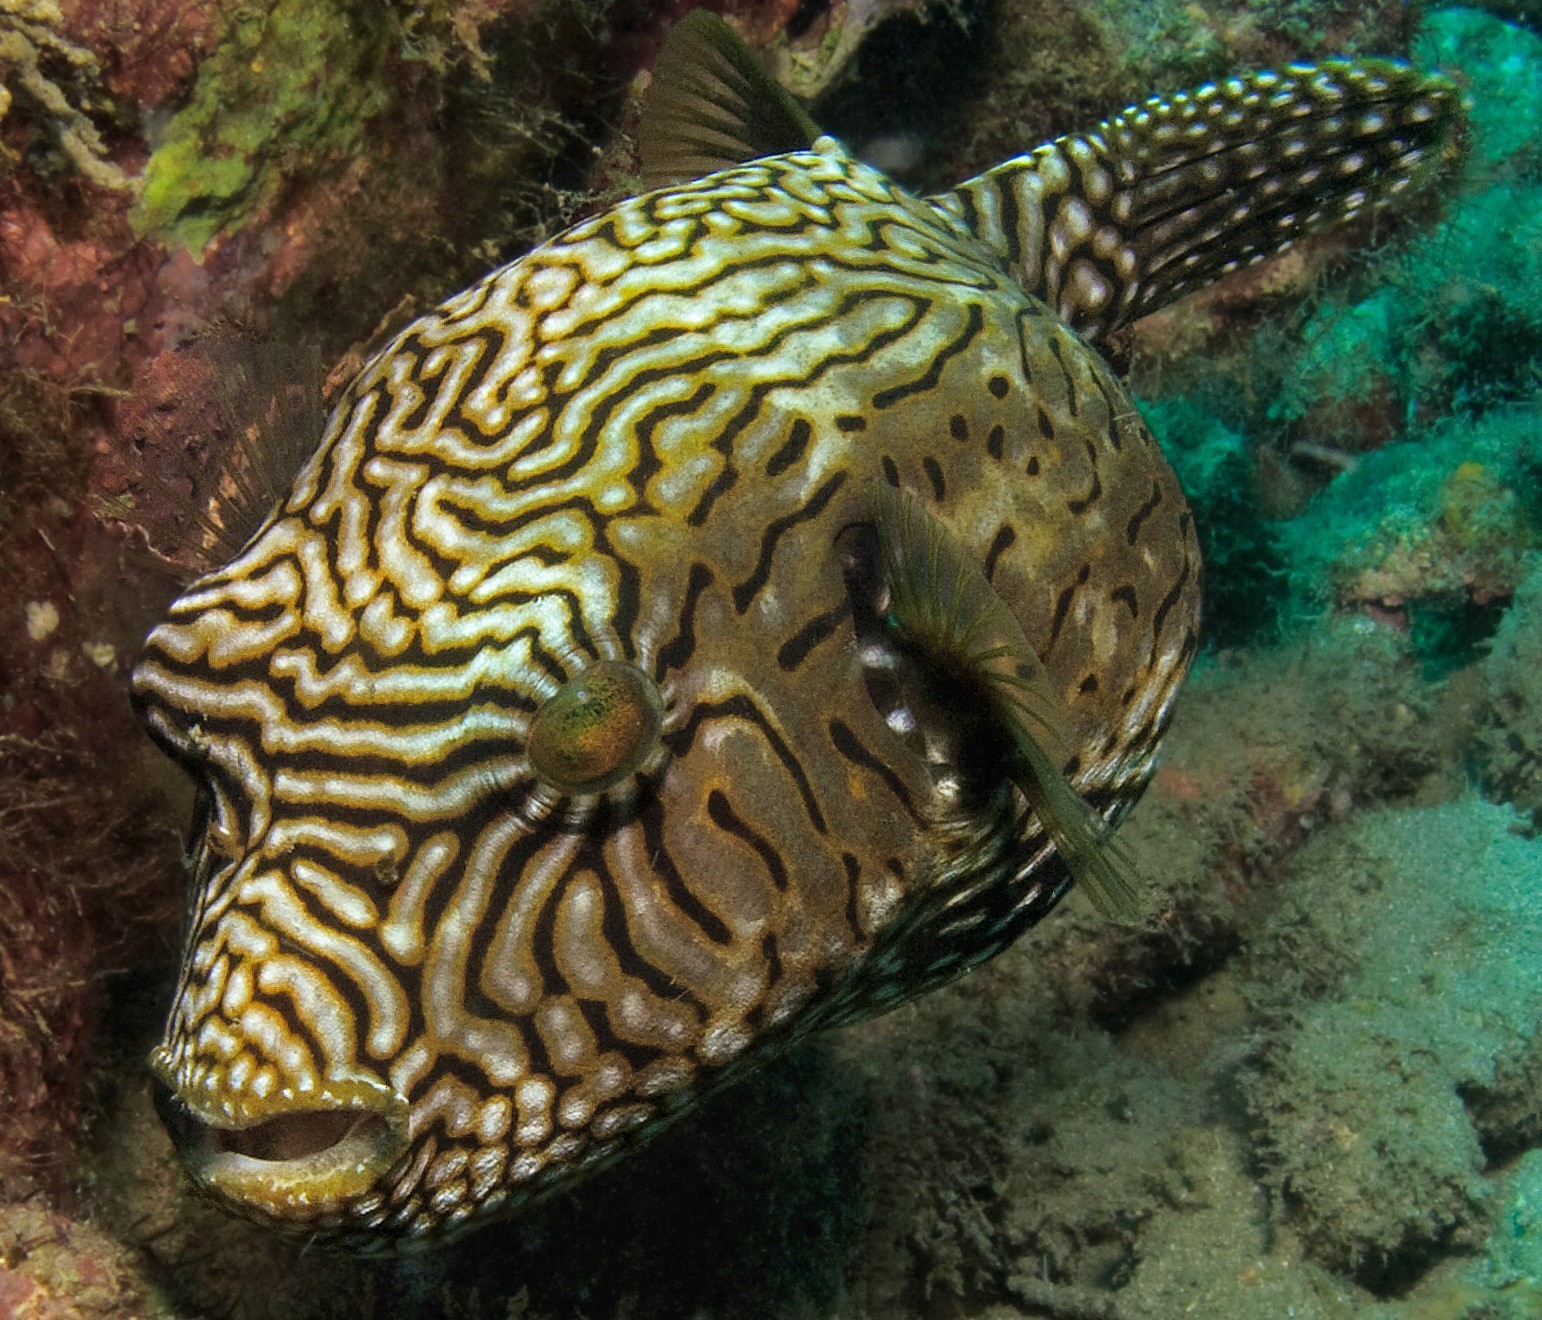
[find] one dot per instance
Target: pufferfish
(745, 612)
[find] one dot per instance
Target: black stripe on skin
(741, 707)
(970, 211)
(1057, 350)
(1132, 528)
(470, 1075)
(1063, 606)
(293, 944)
(491, 343)
(795, 650)
(593, 1012)
(406, 715)
(1168, 601)
(678, 649)
(722, 814)
(755, 1014)
(853, 892)
(725, 440)
(850, 746)
(472, 311)
(933, 470)
(746, 591)
(628, 603)
(721, 485)
(648, 462)
(1000, 543)
(1080, 506)
(597, 418)
(792, 450)
(618, 935)
(928, 380)
(1011, 220)
(415, 351)
(553, 400)
(543, 934)
(650, 817)
(1114, 438)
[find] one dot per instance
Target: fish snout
(307, 1160)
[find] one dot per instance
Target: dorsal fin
(942, 605)
(711, 106)
(1173, 193)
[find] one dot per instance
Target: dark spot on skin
(1126, 596)
(1033, 466)
(933, 470)
(999, 386)
(851, 422)
(1046, 427)
(890, 472)
(958, 427)
(1128, 697)
(1088, 685)
(996, 441)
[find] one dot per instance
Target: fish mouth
(294, 1163)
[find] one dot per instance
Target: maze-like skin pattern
(648, 441)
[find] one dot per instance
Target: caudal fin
(1175, 192)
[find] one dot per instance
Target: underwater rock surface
(1309, 1088)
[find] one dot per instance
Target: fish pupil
(596, 729)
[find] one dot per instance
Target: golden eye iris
(596, 729)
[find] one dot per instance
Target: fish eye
(596, 729)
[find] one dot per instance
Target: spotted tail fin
(1173, 193)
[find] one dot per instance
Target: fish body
(564, 740)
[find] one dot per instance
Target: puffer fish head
(736, 616)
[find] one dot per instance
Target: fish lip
(232, 1145)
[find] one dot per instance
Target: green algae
(291, 86)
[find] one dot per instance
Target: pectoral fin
(942, 606)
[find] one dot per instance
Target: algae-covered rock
(1406, 962)
(1509, 739)
(294, 81)
(1446, 518)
